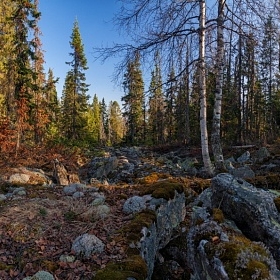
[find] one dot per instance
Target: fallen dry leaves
(37, 229)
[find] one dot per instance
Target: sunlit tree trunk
(202, 89)
(216, 125)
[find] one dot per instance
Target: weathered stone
(66, 258)
(60, 173)
(244, 158)
(252, 209)
(221, 252)
(158, 235)
(243, 172)
(19, 178)
(75, 187)
(134, 204)
(102, 211)
(87, 244)
(2, 197)
(99, 199)
(40, 275)
(261, 155)
(78, 194)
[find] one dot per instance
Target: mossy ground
(277, 203)
(163, 189)
(134, 267)
(269, 181)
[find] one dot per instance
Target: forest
(213, 65)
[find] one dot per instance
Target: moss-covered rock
(218, 215)
(132, 230)
(241, 258)
(163, 189)
(134, 267)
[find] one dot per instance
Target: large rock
(102, 167)
(244, 172)
(253, 210)
(168, 217)
(217, 248)
(24, 176)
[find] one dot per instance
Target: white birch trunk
(216, 126)
(202, 88)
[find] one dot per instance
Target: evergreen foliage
(74, 98)
(134, 102)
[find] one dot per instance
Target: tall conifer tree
(134, 102)
(24, 18)
(156, 105)
(75, 88)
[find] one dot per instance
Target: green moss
(277, 203)
(152, 178)
(4, 266)
(255, 267)
(70, 216)
(132, 230)
(229, 253)
(218, 215)
(163, 189)
(134, 267)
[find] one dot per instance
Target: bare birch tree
(202, 91)
(216, 125)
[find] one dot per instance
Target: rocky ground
(40, 220)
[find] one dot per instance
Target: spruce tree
(171, 98)
(75, 100)
(24, 18)
(53, 106)
(116, 123)
(156, 105)
(134, 102)
(7, 73)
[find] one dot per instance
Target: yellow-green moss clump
(239, 258)
(163, 189)
(132, 230)
(152, 178)
(218, 215)
(134, 267)
(277, 203)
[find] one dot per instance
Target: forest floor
(39, 228)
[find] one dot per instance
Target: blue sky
(96, 28)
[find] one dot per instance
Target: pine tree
(74, 99)
(134, 102)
